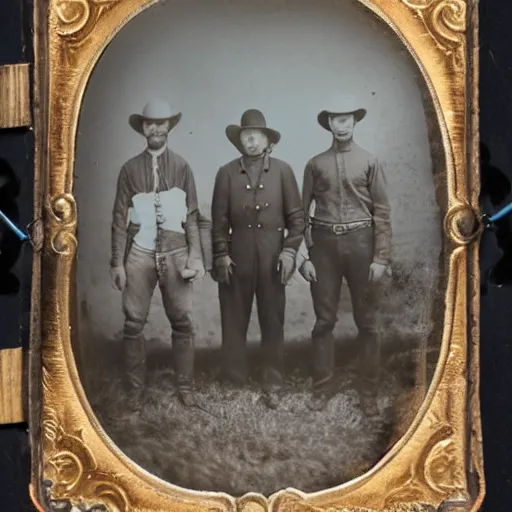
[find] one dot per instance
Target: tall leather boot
(369, 373)
(184, 358)
(323, 370)
(323, 358)
(135, 365)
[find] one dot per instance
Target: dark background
(16, 146)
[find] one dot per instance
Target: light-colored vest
(170, 215)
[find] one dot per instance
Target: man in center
(258, 225)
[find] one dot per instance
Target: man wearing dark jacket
(256, 201)
(155, 240)
(349, 238)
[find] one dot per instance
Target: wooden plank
(11, 386)
(15, 96)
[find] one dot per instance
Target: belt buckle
(338, 229)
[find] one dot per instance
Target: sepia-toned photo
(260, 272)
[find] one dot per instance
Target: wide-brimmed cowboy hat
(156, 110)
(251, 119)
(342, 106)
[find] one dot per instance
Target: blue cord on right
(502, 213)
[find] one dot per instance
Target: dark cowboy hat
(155, 110)
(343, 106)
(251, 119)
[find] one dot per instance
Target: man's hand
(200, 273)
(308, 271)
(118, 277)
(223, 270)
(194, 270)
(286, 266)
(189, 274)
(377, 271)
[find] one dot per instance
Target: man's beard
(156, 140)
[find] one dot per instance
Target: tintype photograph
(260, 279)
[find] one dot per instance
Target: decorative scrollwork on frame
(291, 503)
(50, 426)
(441, 471)
(73, 15)
(64, 243)
(252, 502)
(71, 471)
(444, 19)
(77, 17)
(462, 224)
(436, 469)
(63, 210)
(439, 467)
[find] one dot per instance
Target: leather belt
(343, 228)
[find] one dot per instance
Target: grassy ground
(235, 443)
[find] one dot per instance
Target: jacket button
(260, 226)
(258, 207)
(266, 205)
(248, 187)
(249, 226)
(261, 186)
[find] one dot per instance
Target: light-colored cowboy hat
(251, 119)
(155, 110)
(342, 106)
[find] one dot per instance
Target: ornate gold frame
(437, 465)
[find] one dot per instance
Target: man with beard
(349, 238)
(256, 198)
(155, 240)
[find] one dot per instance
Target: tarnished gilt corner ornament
(77, 17)
(445, 20)
(427, 478)
(72, 469)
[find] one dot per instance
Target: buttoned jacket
(261, 216)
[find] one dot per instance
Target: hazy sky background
(213, 60)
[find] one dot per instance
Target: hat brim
(323, 117)
(233, 134)
(136, 121)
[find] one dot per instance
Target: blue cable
(500, 214)
(22, 236)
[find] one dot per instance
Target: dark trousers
(236, 301)
(338, 257)
(144, 270)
